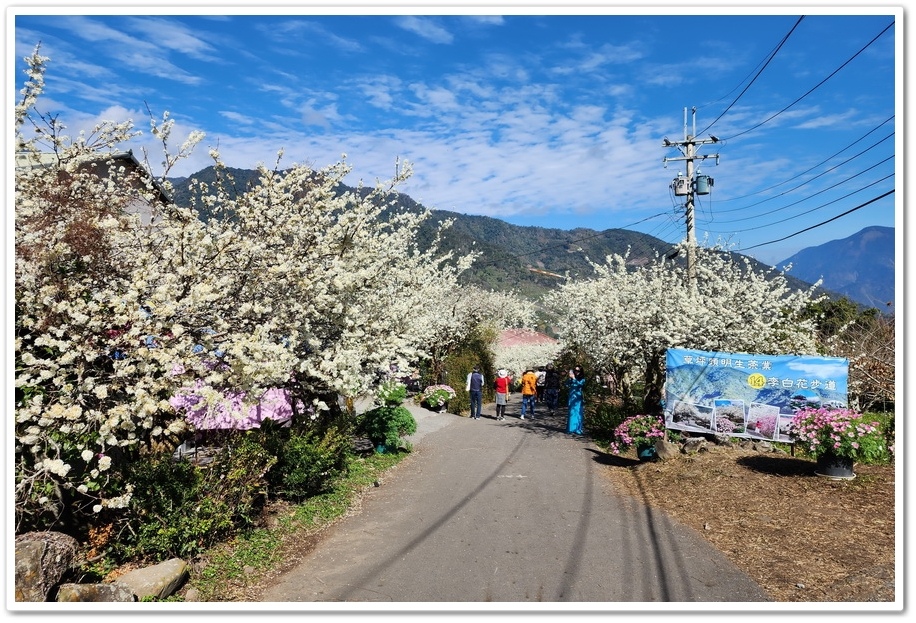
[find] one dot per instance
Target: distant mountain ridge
(529, 260)
(508, 252)
(860, 267)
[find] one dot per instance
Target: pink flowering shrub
(637, 430)
(841, 432)
(274, 404)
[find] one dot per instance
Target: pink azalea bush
(232, 413)
(841, 432)
(637, 430)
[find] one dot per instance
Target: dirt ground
(802, 537)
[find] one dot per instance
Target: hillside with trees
(528, 260)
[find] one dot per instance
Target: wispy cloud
(236, 117)
(380, 91)
(323, 117)
(486, 20)
(822, 121)
(305, 32)
(136, 50)
(509, 116)
(425, 27)
(175, 36)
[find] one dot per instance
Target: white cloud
(821, 121)
(301, 31)
(175, 36)
(426, 28)
(322, 117)
(236, 117)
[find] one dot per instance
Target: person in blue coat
(574, 384)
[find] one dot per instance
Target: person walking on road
(475, 389)
(552, 382)
(575, 383)
(542, 377)
(501, 385)
(529, 392)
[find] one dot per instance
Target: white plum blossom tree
(516, 358)
(625, 318)
(462, 312)
(289, 284)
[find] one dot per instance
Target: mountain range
(861, 267)
(531, 260)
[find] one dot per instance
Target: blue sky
(543, 119)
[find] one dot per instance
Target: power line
(600, 233)
(812, 89)
(825, 160)
(858, 207)
(811, 196)
(823, 205)
(766, 59)
(772, 56)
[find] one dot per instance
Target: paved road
(508, 511)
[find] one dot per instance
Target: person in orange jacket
(529, 392)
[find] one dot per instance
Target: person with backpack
(529, 392)
(475, 389)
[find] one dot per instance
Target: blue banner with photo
(745, 395)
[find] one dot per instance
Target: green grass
(261, 549)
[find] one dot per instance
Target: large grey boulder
(665, 450)
(692, 445)
(95, 592)
(157, 581)
(42, 558)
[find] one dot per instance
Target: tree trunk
(625, 387)
(655, 381)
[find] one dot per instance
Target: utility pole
(690, 184)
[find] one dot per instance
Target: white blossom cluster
(624, 318)
(516, 358)
(286, 284)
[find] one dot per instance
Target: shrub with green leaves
(309, 464)
(603, 415)
(387, 425)
(179, 509)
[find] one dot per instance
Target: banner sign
(753, 396)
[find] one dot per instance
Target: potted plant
(641, 432)
(436, 397)
(838, 438)
(387, 425)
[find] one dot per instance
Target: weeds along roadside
(259, 550)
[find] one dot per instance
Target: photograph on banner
(748, 395)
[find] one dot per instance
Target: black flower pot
(834, 467)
